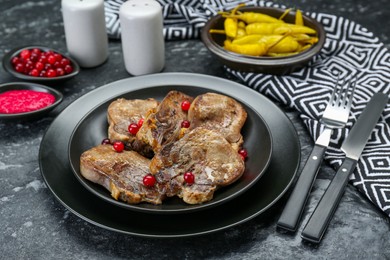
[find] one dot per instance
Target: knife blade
(352, 146)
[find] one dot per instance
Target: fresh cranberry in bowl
(39, 63)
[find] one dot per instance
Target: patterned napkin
(349, 50)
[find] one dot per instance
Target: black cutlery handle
(294, 207)
(319, 220)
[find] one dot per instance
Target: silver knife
(352, 146)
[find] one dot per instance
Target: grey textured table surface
(34, 225)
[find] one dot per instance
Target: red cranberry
(189, 178)
(140, 122)
(185, 124)
(20, 67)
(68, 69)
(39, 66)
(149, 180)
(51, 59)
(25, 54)
(243, 153)
(34, 72)
(57, 56)
(106, 141)
(133, 128)
(185, 105)
(42, 74)
(42, 59)
(15, 60)
(65, 62)
(60, 72)
(118, 146)
(34, 57)
(57, 64)
(51, 73)
(48, 66)
(36, 51)
(29, 66)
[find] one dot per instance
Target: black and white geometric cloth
(349, 50)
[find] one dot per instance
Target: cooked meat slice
(163, 126)
(206, 154)
(120, 173)
(121, 113)
(220, 113)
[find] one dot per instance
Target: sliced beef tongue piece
(121, 113)
(204, 153)
(164, 125)
(220, 113)
(120, 173)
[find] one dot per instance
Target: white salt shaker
(142, 37)
(85, 31)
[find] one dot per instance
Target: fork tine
(340, 94)
(353, 84)
(343, 96)
(346, 101)
(346, 94)
(332, 100)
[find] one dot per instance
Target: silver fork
(335, 116)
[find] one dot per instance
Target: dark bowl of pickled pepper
(264, 39)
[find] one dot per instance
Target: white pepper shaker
(142, 37)
(85, 31)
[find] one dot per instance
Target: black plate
(16, 51)
(57, 174)
(31, 86)
(92, 129)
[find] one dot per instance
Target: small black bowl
(268, 65)
(30, 86)
(7, 65)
